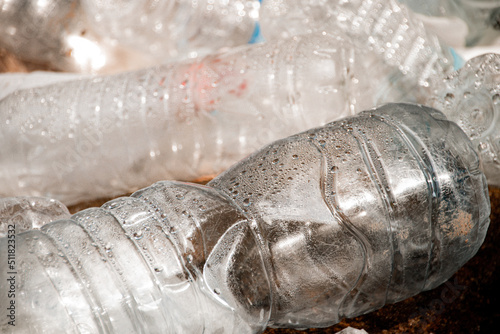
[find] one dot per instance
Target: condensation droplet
(496, 98)
(449, 97)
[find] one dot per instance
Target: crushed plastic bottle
(471, 98)
(94, 36)
(385, 27)
(109, 135)
(331, 223)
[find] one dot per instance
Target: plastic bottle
(385, 27)
(330, 223)
(29, 212)
(471, 98)
(94, 36)
(481, 19)
(109, 135)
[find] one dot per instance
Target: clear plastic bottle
(480, 17)
(471, 98)
(385, 27)
(94, 36)
(109, 135)
(330, 223)
(29, 212)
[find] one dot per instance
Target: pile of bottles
(365, 143)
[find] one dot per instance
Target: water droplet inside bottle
(246, 202)
(138, 235)
(496, 98)
(449, 97)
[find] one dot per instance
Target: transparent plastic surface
(29, 213)
(330, 223)
(385, 27)
(481, 17)
(471, 98)
(109, 135)
(94, 36)
(12, 82)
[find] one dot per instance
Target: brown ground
(468, 303)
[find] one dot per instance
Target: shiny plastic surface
(471, 98)
(109, 135)
(330, 223)
(384, 27)
(481, 17)
(28, 213)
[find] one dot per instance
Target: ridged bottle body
(109, 135)
(102, 37)
(385, 27)
(330, 223)
(365, 211)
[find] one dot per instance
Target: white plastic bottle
(109, 135)
(330, 223)
(93, 36)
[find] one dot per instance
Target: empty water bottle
(104, 36)
(471, 98)
(385, 27)
(109, 135)
(480, 18)
(330, 223)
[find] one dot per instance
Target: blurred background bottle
(460, 22)
(383, 27)
(94, 36)
(109, 135)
